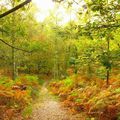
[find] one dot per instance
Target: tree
(13, 30)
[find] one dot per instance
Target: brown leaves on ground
(94, 99)
(15, 96)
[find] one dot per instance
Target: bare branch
(75, 2)
(108, 26)
(15, 8)
(14, 46)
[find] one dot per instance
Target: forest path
(49, 108)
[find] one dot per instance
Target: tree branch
(107, 26)
(15, 8)
(99, 27)
(14, 46)
(75, 2)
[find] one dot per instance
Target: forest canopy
(75, 43)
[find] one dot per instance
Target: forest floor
(48, 107)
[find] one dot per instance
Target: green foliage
(41, 82)
(78, 100)
(68, 82)
(3, 80)
(74, 93)
(27, 111)
(6, 82)
(117, 90)
(31, 78)
(88, 46)
(101, 72)
(32, 83)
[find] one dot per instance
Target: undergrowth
(16, 96)
(98, 101)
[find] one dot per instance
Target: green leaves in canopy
(35, 46)
(105, 60)
(118, 1)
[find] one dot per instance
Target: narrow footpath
(49, 108)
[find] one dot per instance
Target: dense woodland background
(82, 56)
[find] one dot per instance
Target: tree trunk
(13, 44)
(76, 57)
(107, 79)
(108, 67)
(13, 64)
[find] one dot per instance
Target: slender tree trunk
(76, 57)
(13, 64)
(67, 58)
(56, 72)
(107, 79)
(108, 67)
(89, 72)
(13, 44)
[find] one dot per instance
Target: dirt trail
(49, 108)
